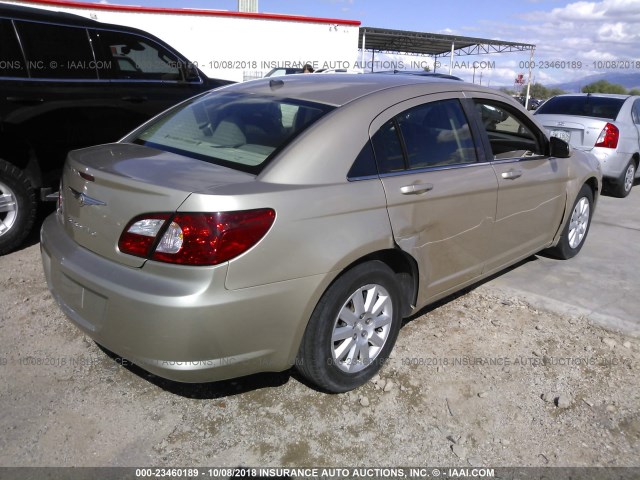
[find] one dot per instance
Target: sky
(573, 39)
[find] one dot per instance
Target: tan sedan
(296, 221)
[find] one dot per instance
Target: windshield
(583, 106)
(237, 130)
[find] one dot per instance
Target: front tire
(576, 230)
(623, 186)
(352, 329)
(17, 207)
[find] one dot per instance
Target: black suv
(68, 82)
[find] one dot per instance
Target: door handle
(25, 100)
(416, 189)
(512, 174)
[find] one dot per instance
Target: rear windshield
(236, 130)
(583, 106)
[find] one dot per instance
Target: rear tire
(17, 207)
(352, 329)
(624, 184)
(575, 231)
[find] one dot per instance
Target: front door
(531, 185)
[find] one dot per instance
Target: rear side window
(434, 134)
(236, 130)
(55, 51)
(584, 106)
(388, 149)
(134, 57)
(11, 61)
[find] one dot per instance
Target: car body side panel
(447, 229)
(338, 223)
(447, 253)
(530, 207)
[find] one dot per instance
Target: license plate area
(562, 135)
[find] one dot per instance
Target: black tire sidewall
(624, 176)
(317, 344)
(17, 181)
(618, 188)
(564, 249)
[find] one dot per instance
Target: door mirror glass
(559, 148)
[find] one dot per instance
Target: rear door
(532, 185)
(441, 197)
(56, 104)
(635, 115)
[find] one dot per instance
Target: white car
(606, 125)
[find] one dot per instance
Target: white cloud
(590, 32)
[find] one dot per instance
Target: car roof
(38, 14)
(342, 88)
(20, 12)
(422, 73)
(607, 95)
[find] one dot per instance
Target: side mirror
(559, 148)
(191, 74)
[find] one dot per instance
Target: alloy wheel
(579, 222)
(362, 328)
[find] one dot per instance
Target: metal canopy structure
(436, 45)
(432, 44)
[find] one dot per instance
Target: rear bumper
(178, 322)
(613, 163)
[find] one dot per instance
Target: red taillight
(608, 136)
(195, 238)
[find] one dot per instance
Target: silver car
(606, 125)
(296, 221)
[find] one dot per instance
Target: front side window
(510, 136)
(236, 130)
(55, 51)
(134, 57)
(12, 63)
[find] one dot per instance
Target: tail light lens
(195, 238)
(609, 136)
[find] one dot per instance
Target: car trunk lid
(104, 187)
(580, 132)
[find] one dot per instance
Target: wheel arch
(405, 268)
(595, 186)
(20, 154)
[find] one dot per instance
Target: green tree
(539, 91)
(556, 91)
(602, 86)
(634, 91)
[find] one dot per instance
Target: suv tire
(17, 207)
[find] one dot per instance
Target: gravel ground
(481, 379)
